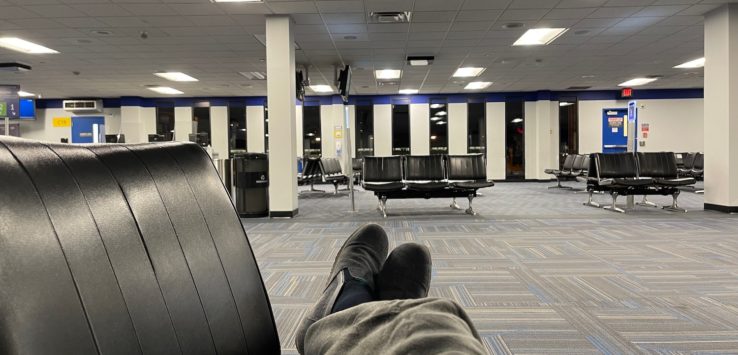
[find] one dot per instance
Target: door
(615, 130)
(85, 128)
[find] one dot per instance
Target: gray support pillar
(721, 111)
(280, 55)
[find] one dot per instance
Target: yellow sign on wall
(338, 132)
(62, 122)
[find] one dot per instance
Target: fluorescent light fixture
(433, 137)
(321, 88)
(638, 81)
(468, 72)
(564, 104)
(692, 64)
(441, 123)
(477, 85)
(310, 134)
(25, 94)
(517, 120)
(419, 62)
(165, 90)
(539, 36)
(175, 76)
(317, 139)
(24, 46)
(436, 118)
(387, 74)
(436, 105)
(408, 91)
(441, 113)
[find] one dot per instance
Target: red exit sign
(626, 93)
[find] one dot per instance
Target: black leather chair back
(689, 160)
(577, 165)
(620, 165)
(357, 164)
(116, 249)
(586, 162)
(466, 167)
(657, 165)
(568, 162)
(382, 169)
(311, 168)
(424, 168)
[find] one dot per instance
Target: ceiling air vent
(253, 75)
(390, 17)
(578, 87)
(83, 105)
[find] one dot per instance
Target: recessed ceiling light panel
(408, 91)
(638, 82)
(692, 64)
(23, 46)
(321, 88)
(175, 76)
(420, 61)
(165, 90)
(477, 85)
(468, 72)
(539, 36)
(25, 94)
(387, 74)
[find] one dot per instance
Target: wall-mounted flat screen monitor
(344, 83)
(9, 101)
(27, 109)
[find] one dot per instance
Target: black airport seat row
(124, 249)
(319, 170)
(691, 165)
(425, 176)
(575, 166)
(627, 174)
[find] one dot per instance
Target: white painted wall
(419, 129)
(676, 125)
(255, 129)
(541, 138)
(182, 123)
(219, 131)
(496, 140)
(299, 144)
(458, 121)
(383, 130)
(42, 129)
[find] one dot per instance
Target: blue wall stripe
(654, 94)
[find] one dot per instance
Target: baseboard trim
(283, 214)
(721, 208)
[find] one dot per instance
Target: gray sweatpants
(419, 326)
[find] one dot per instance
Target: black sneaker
(406, 274)
(361, 256)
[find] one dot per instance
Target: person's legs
(351, 280)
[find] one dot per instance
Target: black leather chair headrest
(117, 249)
(424, 167)
(382, 169)
(657, 165)
(619, 165)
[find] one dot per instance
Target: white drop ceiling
(609, 42)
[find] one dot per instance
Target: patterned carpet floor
(538, 272)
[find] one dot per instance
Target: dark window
(237, 127)
(266, 128)
(515, 139)
(311, 146)
(438, 127)
(364, 130)
(201, 124)
(400, 129)
(165, 122)
(476, 128)
(568, 127)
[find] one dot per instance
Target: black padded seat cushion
(117, 249)
(474, 185)
(634, 182)
(676, 182)
(384, 187)
(426, 186)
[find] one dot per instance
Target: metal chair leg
(455, 205)
(646, 203)
(558, 185)
(675, 203)
(614, 206)
(383, 206)
(591, 203)
(470, 210)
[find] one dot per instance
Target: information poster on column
(9, 102)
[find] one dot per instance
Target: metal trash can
(251, 180)
(224, 171)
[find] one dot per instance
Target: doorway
(568, 127)
(514, 139)
(88, 129)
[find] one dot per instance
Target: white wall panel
(383, 130)
(182, 123)
(219, 131)
(255, 129)
(496, 140)
(419, 129)
(457, 128)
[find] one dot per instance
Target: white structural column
(255, 129)
(182, 123)
(219, 131)
(298, 131)
(721, 109)
(280, 55)
(419, 129)
(352, 125)
(130, 124)
(383, 130)
(531, 139)
(496, 165)
(457, 128)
